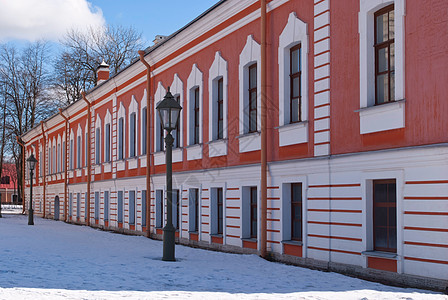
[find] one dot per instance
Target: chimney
(102, 73)
(159, 38)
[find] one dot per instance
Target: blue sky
(152, 17)
(30, 20)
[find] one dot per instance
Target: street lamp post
(169, 111)
(31, 165)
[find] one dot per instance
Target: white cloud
(48, 19)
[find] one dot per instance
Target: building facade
(357, 153)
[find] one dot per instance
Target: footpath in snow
(54, 260)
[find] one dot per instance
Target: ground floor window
(159, 209)
(194, 210)
(144, 208)
(120, 206)
(296, 211)
(97, 205)
(385, 215)
(70, 205)
(253, 212)
(78, 205)
(176, 209)
(106, 205)
(131, 207)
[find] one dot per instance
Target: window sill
(194, 152)
(381, 254)
(294, 133)
(215, 235)
(249, 142)
(252, 240)
(382, 117)
(292, 242)
(217, 148)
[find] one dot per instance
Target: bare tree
(24, 93)
(75, 67)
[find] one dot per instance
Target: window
(131, 207)
(144, 208)
(78, 205)
(195, 113)
(71, 154)
(87, 154)
(160, 136)
(97, 146)
(295, 79)
(253, 98)
(64, 151)
(220, 110)
(132, 135)
(194, 210)
(176, 209)
(106, 205)
(296, 211)
(107, 143)
(70, 205)
(49, 160)
(78, 152)
(253, 212)
(144, 129)
(120, 207)
(40, 163)
(385, 215)
(54, 158)
(159, 209)
(97, 206)
(176, 131)
(220, 215)
(120, 138)
(59, 158)
(384, 55)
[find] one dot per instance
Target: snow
(55, 260)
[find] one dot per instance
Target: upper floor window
(384, 55)
(253, 98)
(144, 129)
(121, 138)
(107, 143)
(220, 110)
(195, 113)
(176, 131)
(71, 154)
(132, 135)
(97, 145)
(78, 152)
(295, 76)
(59, 157)
(86, 149)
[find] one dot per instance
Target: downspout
(148, 142)
(263, 202)
(23, 174)
(88, 156)
(65, 164)
(44, 164)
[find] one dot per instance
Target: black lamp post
(169, 111)
(31, 165)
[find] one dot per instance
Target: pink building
(356, 138)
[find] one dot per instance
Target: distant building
(357, 143)
(8, 184)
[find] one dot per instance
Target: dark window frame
(144, 129)
(220, 211)
(220, 109)
(384, 45)
(196, 116)
(107, 143)
(295, 204)
(293, 76)
(387, 204)
(176, 142)
(252, 100)
(133, 135)
(253, 207)
(121, 138)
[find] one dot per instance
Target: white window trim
(143, 105)
(98, 146)
(367, 179)
(177, 89)
(158, 97)
(133, 108)
(250, 54)
(380, 120)
(194, 80)
(79, 135)
(294, 33)
(108, 120)
(217, 71)
(121, 114)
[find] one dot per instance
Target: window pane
(391, 24)
(383, 57)
(381, 237)
(253, 121)
(382, 88)
(380, 216)
(295, 87)
(295, 110)
(392, 238)
(382, 28)
(295, 61)
(253, 77)
(380, 192)
(392, 218)
(392, 56)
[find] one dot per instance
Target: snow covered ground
(54, 260)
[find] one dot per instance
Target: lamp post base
(168, 243)
(30, 217)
